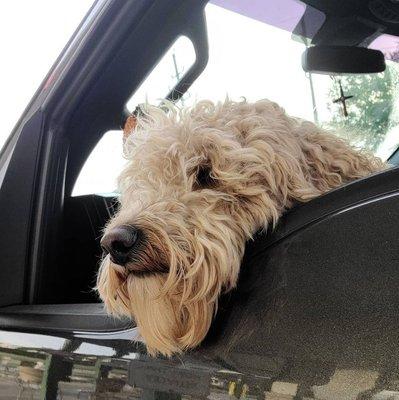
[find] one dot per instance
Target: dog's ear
(129, 127)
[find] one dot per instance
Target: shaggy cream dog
(199, 183)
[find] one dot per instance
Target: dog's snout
(119, 242)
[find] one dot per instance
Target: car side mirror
(342, 60)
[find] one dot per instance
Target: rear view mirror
(342, 60)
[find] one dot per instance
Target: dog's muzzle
(121, 243)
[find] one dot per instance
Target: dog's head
(198, 184)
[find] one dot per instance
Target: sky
(32, 35)
(247, 58)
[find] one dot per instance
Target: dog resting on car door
(199, 183)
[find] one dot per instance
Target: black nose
(119, 243)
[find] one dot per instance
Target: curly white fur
(260, 162)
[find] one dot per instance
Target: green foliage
(371, 110)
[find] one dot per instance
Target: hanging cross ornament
(342, 99)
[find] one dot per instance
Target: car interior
(65, 237)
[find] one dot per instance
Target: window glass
(31, 39)
(166, 74)
(99, 173)
(257, 54)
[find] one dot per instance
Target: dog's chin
(166, 324)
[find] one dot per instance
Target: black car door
(315, 313)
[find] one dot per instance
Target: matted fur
(261, 161)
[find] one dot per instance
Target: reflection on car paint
(127, 334)
(18, 339)
(45, 371)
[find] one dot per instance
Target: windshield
(256, 59)
(255, 50)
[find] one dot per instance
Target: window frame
(117, 48)
(74, 107)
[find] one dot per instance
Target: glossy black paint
(315, 313)
(17, 209)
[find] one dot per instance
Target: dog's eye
(204, 177)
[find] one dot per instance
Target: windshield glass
(258, 58)
(255, 50)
